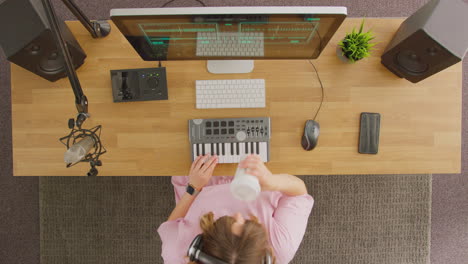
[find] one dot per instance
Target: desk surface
(420, 126)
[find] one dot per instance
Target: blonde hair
(219, 241)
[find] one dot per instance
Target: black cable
(321, 85)
(168, 2)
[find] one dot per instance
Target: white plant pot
(340, 55)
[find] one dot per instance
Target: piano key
(231, 156)
(242, 150)
(194, 156)
(252, 148)
(264, 151)
(246, 147)
(207, 148)
(212, 148)
(217, 149)
(237, 148)
(203, 149)
(232, 148)
(228, 156)
(221, 157)
(257, 148)
(235, 158)
(223, 152)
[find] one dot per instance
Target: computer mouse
(311, 134)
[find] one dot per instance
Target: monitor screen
(229, 33)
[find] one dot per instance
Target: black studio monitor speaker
(430, 40)
(27, 39)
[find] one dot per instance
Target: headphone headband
(195, 253)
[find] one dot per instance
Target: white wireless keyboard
(241, 93)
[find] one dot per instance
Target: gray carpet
(19, 200)
(356, 219)
(105, 220)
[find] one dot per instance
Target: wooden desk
(420, 127)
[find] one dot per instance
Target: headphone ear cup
(195, 246)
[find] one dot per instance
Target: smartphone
(369, 133)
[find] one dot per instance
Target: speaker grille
(52, 64)
(411, 62)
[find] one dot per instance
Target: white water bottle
(76, 152)
(245, 187)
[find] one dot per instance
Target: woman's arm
(200, 174)
(182, 207)
(285, 183)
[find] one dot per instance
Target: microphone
(83, 145)
(76, 152)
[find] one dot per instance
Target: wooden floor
(420, 126)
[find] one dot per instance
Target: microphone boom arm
(97, 29)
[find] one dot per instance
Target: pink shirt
(285, 218)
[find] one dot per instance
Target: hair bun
(207, 222)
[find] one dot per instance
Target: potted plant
(355, 45)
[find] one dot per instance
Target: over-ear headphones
(195, 253)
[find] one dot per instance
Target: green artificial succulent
(356, 45)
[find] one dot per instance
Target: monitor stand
(230, 66)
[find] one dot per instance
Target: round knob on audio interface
(241, 135)
(153, 82)
(197, 121)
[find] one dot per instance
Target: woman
(236, 231)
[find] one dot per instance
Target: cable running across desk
(321, 85)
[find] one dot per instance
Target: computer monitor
(230, 38)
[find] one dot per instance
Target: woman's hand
(255, 166)
(201, 170)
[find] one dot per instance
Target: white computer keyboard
(241, 93)
(211, 44)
